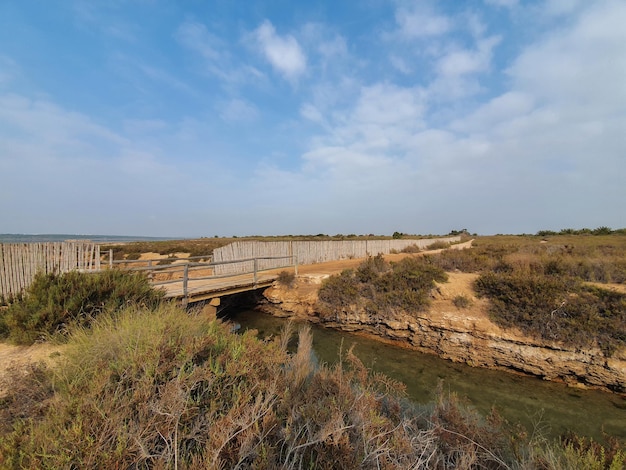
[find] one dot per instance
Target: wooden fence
(19, 262)
(309, 252)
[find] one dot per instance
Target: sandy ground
(16, 357)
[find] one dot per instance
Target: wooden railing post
(150, 272)
(256, 268)
(185, 281)
(111, 258)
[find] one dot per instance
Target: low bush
(411, 249)
(55, 302)
(462, 301)
(438, 245)
(286, 278)
(556, 308)
(380, 288)
(340, 291)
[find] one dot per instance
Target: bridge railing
(183, 270)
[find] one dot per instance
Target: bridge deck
(204, 289)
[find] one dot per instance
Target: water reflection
(555, 408)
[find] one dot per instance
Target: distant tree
(602, 231)
(459, 232)
(397, 235)
(545, 233)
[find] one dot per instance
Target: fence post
(111, 258)
(185, 280)
(256, 268)
(150, 272)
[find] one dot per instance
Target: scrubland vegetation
(161, 389)
(154, 386)
(551, 288)
(144, 384)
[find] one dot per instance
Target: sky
(226, 117)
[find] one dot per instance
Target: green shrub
(556, 308)
(55, 302)
(340, 290)
(372, 268)
(4, 328)
(381, 288)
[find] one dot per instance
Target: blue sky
(200, 118)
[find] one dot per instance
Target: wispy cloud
(215, 52)
(420, 20)
(9, 70)
(238, 110)
(282, 52)
(465, 61)
(502, 3)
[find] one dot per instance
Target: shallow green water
(554, 408)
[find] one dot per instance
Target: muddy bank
(460, 335)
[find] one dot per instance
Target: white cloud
(463, 61)
(563, 7)
(583, 66)
(534, 156)
(421, 21)
(387, 104)
(312, 113)
(283, 52)
(501, 110)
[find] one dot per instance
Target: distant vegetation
(205, 246)
(584, 231)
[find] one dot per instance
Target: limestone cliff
(460, 335)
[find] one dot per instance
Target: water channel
(551, 408)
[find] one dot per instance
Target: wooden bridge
(194, 280)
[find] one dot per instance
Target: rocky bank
(461, 335)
